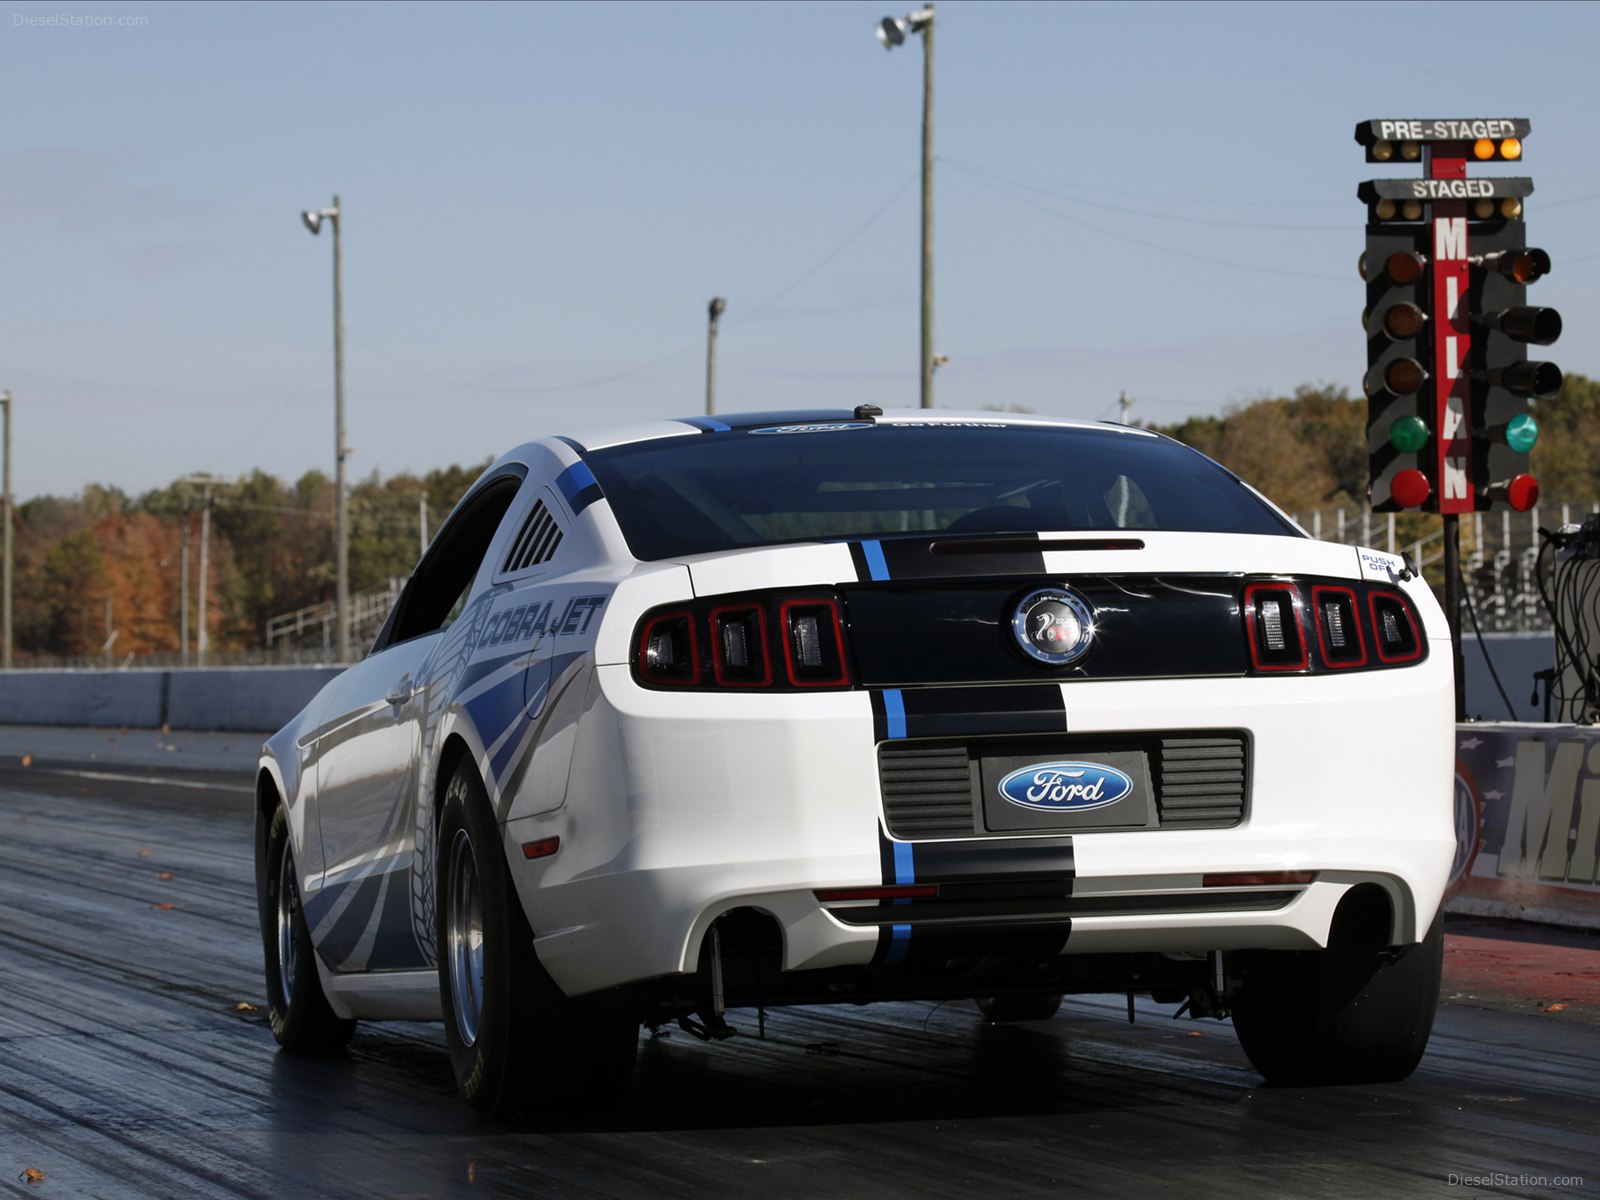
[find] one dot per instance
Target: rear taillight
(739, 656)
(1394, 628)
(777, 642)
(1339, 634)
(1346, 626)
(669, 651)
(813, 646)
(1276, 627)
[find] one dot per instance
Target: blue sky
(540, 200)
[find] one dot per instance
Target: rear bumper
(681, 808)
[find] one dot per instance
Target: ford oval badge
(1065, 786)
(1053, 625)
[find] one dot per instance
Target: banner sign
(1527, 823)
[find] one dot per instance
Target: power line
(746, 315)
(276, 413)
(1149, 245)
(1077, 198)
(1103, 190)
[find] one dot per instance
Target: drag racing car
(820, 707)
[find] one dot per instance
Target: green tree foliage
(271, 552)
(1566, 459)
(1305, 451)
(72, 582)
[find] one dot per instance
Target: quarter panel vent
(535, 543)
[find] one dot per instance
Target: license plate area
(1047, 786)
(937, 788)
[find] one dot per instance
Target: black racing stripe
(858, 556)
(1035, 874)
(933, 944)
(1042, 860)
(974, 711)
(915, 558)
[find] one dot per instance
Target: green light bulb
(1522, 431)
(1408, 434)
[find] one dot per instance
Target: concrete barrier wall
(225, 698)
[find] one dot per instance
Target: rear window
(717, 491)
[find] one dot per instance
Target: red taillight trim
(543, 848)
(1317, 592)
(643, 660)
(902, 891)
(1258, 879)
(1377, 635)
(1296, 606)
(832, 605)
(717, 670)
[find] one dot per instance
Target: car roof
(605, 437)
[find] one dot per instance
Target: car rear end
(983, 707)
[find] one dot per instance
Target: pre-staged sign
(1430, 130)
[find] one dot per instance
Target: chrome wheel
(288, 912)
(464, 938)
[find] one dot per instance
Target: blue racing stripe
(899, 943)
(905, 869)
(707, 424)
(894, 712)
(578, 487)
(876, 566)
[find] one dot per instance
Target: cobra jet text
(531, 620)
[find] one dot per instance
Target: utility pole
(5, 506)
(341, 516)
(717, 307)
(202, 638)
(927, 208)
(1123, 405)
(183, 592)
(111, 632)
(892, 32)
(341, 512)
(201, 641)
(422, 522)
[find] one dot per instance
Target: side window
(442, 583)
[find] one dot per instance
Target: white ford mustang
(820, 707)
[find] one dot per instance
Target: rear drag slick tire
(516, 1042)
(1353, 1013)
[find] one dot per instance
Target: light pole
(5, 507)
(341, 523)
(892, 32)
(717, 307)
